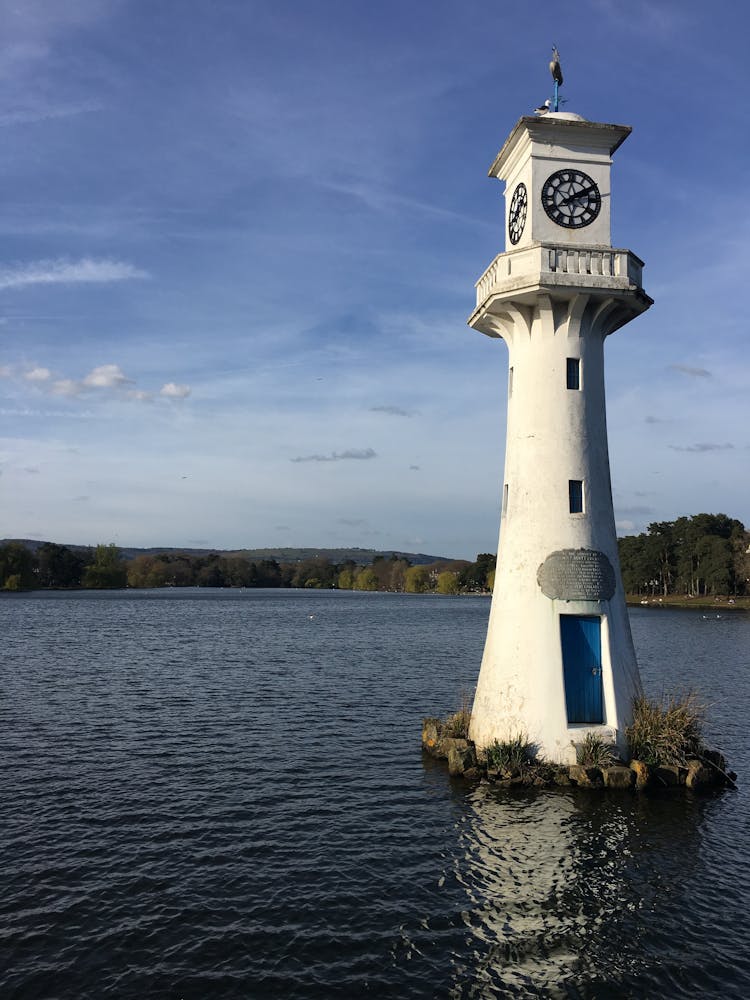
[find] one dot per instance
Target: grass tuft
(668, 731)
(510, 755)
(457, 725)
(592, 751)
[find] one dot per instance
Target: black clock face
(517, 213)
(571, 198)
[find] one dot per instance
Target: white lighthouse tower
(559, 659)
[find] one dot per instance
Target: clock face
(517, 213)
(571, 199)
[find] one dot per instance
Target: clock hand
(578, 194)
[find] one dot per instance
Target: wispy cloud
(338, 456)
(65, 272)
(174, 391)
(45, 112)
(688, 370)
(394, 411)
(66, 387)
(701, 447)
(38, 375)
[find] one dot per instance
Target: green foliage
(667, 731)
(417, 580)
(107, 572)
(447, 583)
(592, 751)
(366, 579)
(16, 567)
(513, 754)
(475, 577)
(705, 554)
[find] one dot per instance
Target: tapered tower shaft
(559, 658)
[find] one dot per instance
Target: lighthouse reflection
(569, 894)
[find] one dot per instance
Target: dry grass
(667, 731)
(592, 751)
(457, 725)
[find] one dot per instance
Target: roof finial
(556, 71)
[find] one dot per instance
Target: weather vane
(556, 71)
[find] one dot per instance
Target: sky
(238, 247)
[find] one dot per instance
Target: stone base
(465, 761)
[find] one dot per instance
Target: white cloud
(141, 395)
(5, 371)
(65, 271)
(105, 377)
(174, 391)
(38, 375)
(66, 387)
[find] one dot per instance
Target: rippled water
(221, 794)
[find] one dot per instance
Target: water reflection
(567, 891)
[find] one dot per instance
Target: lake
(222, 794)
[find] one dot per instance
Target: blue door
(582, 667)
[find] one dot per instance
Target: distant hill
(362, 557)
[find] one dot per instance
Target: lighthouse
(558, 661)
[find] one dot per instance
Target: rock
(669, 775)
(699, 775)
(460, 759)
(716, 758)
(642, 773)
(585, 777)
(430, 733)
(618, 776)
(493, 773)
(562, 778)
(473, 773)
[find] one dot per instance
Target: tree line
(703, 555)
(54, 566)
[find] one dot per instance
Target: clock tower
(559, 659)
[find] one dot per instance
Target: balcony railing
(508, 270)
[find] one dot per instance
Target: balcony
(550, 265)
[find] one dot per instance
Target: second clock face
(517, 213)
(571, 198)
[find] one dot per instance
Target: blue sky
(238, 247)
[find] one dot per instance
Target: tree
(147, 571)
(417, 580)
(16, 567)
(475, 576)
(366, 579)
(108, 571)
(447, 583)
(59, 566)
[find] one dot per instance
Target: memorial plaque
(577, 575)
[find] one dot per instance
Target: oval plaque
(577, 575)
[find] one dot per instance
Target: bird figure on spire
(554, 67)
(556, 71)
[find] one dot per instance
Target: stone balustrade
(541, 259)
